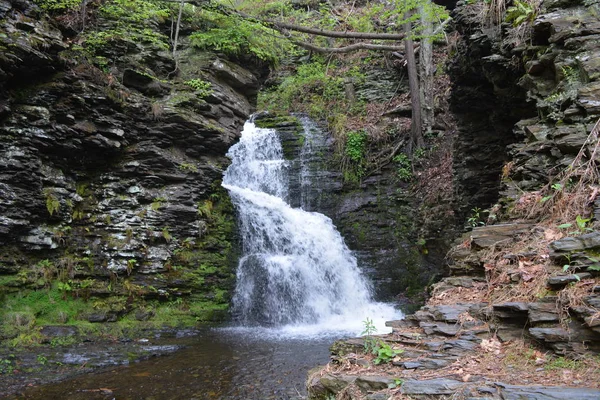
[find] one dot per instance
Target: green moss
(278, 122)
(58, 5)
(134, 11)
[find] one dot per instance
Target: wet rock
(430, 387)
(336, 383)
(588, 98)
(550, 334)
(563, 280)
(442, 328)
(59, 331)
(513, 392)
(343, 347)
(144, 83)
(543, 312)
(40, 238)
(369, 383)
(487, 236)
(236, 76)
(449, 313)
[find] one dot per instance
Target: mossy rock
(277, 122)
(347, 346)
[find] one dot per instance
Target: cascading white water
(295, 272)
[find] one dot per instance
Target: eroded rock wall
(110, 173)
(540, 285)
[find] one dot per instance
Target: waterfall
(295, 271)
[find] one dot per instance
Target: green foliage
(313, 89)
(368, 332)
(236, 37)
(395, 384)
(552, 106)
(419, 9)
(355, 145)
(581, 224)
(65, 287)
(202, 87)
(205, 209)
(8, 364)
(188, 167)
(157, 203)
(134, 11)
(129, 18)
(562, 363)
(131, 263)
(58, 5)
(52, 202)
(520, 13)
(385, 353)
(355, 152)
(476, 217)
(166, 234)
(403, 167)
(571, 75)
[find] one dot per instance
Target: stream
(218, 364)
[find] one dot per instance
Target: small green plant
(355, 145)
(58, 5)
(368, 332)
(7, 365)
(581, 224)
(520, 13)
(52, 202)
(385, 353)
(596, 265)
(188, 167)
(571, 75)
(236, 36)
(157, 203)
(476, 218)
(166, 235)
(202, 87)
(395, 384)
(205, 209)
(42, 359)
(131, 265)
(65, 287)
(562, 363)
(403, 167)
(48, 270)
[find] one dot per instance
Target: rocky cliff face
(547, 279)
(110, 167)
(524, 286)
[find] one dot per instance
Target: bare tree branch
(345, 49)
(334, 34)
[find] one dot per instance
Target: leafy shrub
(385, 353)
(520, 13)
(135, 11)
(235, 37)
(58, 5)
(355, 145)
(403, 167)
(202, 87)
(311, 89)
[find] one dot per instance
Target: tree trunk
(416, 130)
(426, 71)
(177, 27)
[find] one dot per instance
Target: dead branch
(345, 49)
